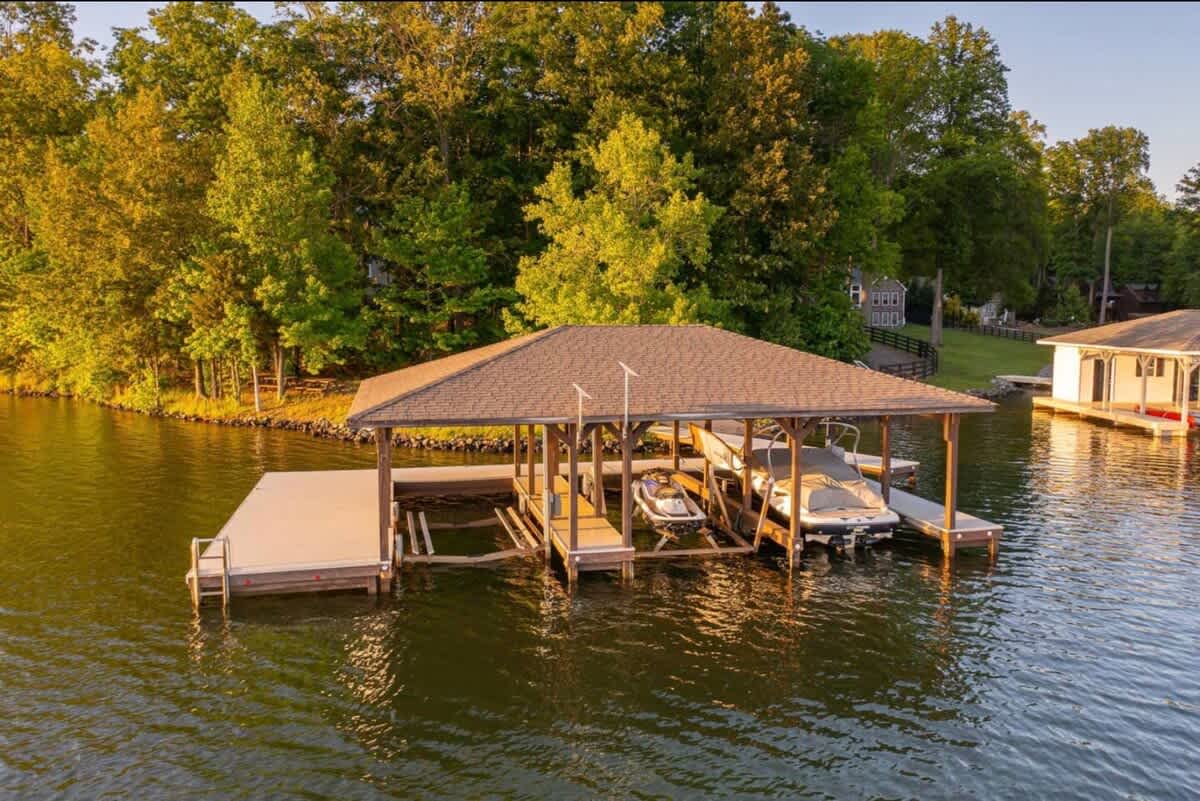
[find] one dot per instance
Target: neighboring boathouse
(1143, 373)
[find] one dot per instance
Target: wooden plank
(480, 559)
(412, 532)
(425, 532)
(724, 550)
(529, 536)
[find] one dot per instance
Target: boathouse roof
(685, 372)
(1175, 333)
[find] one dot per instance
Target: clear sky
(1074, 66)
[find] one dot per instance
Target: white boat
(837, 507)
(666, 505)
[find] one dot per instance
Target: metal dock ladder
(198, 591)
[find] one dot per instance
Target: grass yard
(970, 361)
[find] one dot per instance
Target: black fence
(997, 331)
(923, 367)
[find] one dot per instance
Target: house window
(1157, 368)
(895, 319)
(895, 298)
(856, 295)
(874, 318)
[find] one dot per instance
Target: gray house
(881, 300)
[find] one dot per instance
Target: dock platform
(598, 546)
(1118, 415)
(929, 518)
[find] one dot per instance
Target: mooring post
(950, 423)
(885, 458)
(383, 453)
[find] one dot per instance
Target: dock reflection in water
(1066, 669)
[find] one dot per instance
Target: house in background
(1138, 300)
(881, 300)
(993, 312)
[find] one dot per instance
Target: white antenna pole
(628, 372)
(582, 394)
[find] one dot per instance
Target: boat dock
(1126, 416)
(566, 391)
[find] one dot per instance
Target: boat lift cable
(628, 372)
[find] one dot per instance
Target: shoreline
(318, 427)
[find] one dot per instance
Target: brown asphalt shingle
(686, 372)
(1175, 332)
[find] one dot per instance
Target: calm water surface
(1069, 670)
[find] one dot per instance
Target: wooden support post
(795, 533)
(530, 457)
(1186, 391)
(675, 445)
(555, 463)
(747, 457)
(573, 487)
(1145, 363)
(950, 435)
(598, 472)
(1108, 382)
(516, 451)
(885, 458)
(627, 489)
(383, 460)
(548, 445)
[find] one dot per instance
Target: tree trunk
(935, 322)
(280, 379)
(216, 377)
(235, 375)
(254, 378)
(1104, 286)
(198, 378)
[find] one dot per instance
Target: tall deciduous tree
(273, 195)
(618, 253)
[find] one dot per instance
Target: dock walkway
(929, 518)
(1117, 415)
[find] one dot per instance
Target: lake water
(1069, 670)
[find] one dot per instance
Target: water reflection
(887, 675)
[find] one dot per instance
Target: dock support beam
(516, 451)
(747, 457)
(950, 424)
(383, 451)
(530, 456)
(675, 445)
(1145, 364)
(1185, 395)
(885, 458)
(598, 472)
(548, 445)
(572, 500)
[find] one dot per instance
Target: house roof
(684, 373)
(1172, 333)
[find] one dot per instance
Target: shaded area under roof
(685, 372)
(1176, 332)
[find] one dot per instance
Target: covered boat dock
(569, 389)
(1142, 373)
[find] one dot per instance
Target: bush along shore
(298, 415)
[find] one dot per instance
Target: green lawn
(969, 361)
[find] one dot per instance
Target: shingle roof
(685, 372)
(1176, 332)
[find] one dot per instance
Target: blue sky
(1074, 66)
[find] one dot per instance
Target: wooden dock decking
(929, 518)
(298, 532)
(598, 542)
(1117, 415)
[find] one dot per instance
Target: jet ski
(665, 504)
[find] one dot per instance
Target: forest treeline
(357, 186)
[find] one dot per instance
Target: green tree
(1181, 282)
(438, 297)
(273, 196)
(617, 254)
